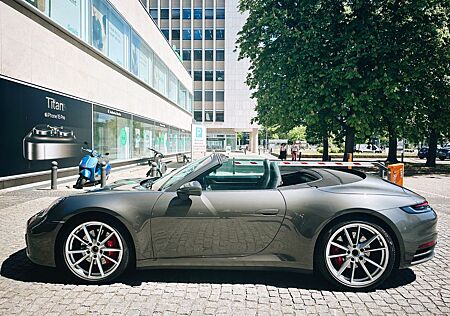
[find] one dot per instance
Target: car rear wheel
(95, 251)
(356, 255)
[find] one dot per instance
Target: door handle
(268, 211)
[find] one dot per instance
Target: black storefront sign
(38, 126)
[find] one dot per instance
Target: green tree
(345, 68)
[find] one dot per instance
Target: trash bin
(180, 158)
(396, 173)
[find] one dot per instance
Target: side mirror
(190, 188)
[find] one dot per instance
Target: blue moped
(90, 168)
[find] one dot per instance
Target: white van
(367, 148)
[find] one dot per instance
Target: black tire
(81, 181)
(320, 259)
(61, 261)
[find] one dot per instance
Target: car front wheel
(356, 255)
(94, 251)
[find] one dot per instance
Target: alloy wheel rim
(357, 255)
(93, 250)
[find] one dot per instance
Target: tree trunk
(325, 155)
(432, 148)
(349, 142)
(392, 154)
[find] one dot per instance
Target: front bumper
(413, 231)
(40, 239)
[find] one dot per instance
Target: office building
(204, 33)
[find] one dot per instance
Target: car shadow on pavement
(18, 267)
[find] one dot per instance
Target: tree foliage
(348, 68)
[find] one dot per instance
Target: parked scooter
(161, 167)
(90, 168)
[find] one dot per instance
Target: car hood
(132, 184)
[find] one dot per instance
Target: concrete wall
(35, 51)
(239, 107)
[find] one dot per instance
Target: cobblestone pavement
(29, 289)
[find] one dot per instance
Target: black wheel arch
(369, 215)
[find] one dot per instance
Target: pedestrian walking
(294, 151)
(283, 151)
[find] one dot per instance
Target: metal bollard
(402, 156)
(54, 176)
(154, 172)
(103, 175)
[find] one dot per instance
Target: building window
(186, 54)
(220, 75)
(198, 54)
(220, 55)
(165, 33)
(186, 34)
(164, 14)
(197, 95)
(209, 75)
(209, 55)
(209, 95)
(219, 116)
(209, 34)
(187, 14)
(175, 34)
(154, 14)
(209, 14)
(197, 14)
(198, 116)
(176, 14)
(197, 34)
(197, 75)
(220, 34)
(173, 88)
(220, 14)
(208, 116)
(219, 96)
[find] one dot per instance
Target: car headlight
(417, 208)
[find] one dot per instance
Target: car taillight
(418, 208)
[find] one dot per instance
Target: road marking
(442, 196)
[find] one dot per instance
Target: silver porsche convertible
(351, 228)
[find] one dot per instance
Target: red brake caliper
(111, 243)
(338, 260)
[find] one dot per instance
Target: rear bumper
(413, 231)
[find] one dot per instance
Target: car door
(218, 223)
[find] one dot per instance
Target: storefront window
(160, 138)
(112, 134)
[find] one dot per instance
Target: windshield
(167, 180)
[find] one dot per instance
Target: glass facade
(127, 136)
(98, 23)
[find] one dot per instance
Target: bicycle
(157, 166)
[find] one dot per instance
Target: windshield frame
(165, 184)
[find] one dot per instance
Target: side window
(235, 175)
